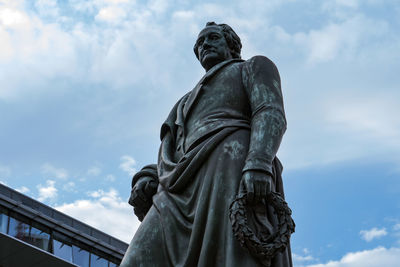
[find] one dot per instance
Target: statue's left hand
(141, 195)
(257, 184)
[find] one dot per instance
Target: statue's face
(212, 47)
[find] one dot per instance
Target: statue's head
(216, 43)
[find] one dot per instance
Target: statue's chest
(224, 90)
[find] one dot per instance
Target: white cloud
(341, 39)
(12, 17)
(105, 211)
(297, 257)
(183, 15)
(396, 232)
(54, 172)
(128, 164)
(95, 194)
(23, 189)
(341, 120)
(375, 122)
(369, 235)
(95, 171)
(111, 14)
(377, 257)
(354, 129)
(35, 50)
(299, 260)
(48, 191)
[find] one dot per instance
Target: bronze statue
(218, 144)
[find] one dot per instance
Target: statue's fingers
(242, 187)
(268, 188)
(132, 197)
(250, 191)
(138, 198)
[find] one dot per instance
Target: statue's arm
(144, 186)
(268, 123)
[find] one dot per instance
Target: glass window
(3, 223)
(18, 229)
(62, 250)
(80, 256)
(96, 261)
(39, 239)
(112, 264)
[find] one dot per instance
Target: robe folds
(231, 122)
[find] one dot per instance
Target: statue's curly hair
(231, 38)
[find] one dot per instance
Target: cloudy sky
(85, 86)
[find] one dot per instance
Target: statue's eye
(214, 36)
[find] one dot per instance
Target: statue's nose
(206, 45)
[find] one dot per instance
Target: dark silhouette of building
(33, 234)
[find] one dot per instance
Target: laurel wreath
(264, 248)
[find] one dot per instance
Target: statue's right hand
(141, 195)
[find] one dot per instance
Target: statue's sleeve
(148, 171)
(268, 123)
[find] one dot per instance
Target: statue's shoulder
(260, 64)
(260, 60)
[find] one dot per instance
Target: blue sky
(85, 86)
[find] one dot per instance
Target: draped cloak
(232, 121)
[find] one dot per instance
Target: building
(33, 234)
